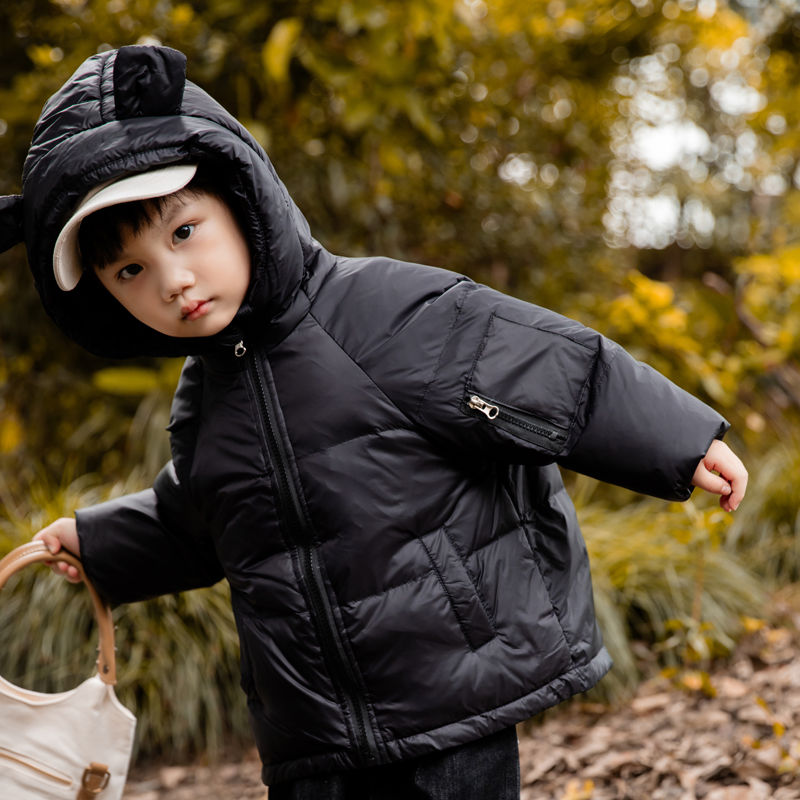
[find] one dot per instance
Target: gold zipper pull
(481, 405)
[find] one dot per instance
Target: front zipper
(34, 766)
(300, 535)
(521, 423)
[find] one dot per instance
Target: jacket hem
(577, 680)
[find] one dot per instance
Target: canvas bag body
(71, 745)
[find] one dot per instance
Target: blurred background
(634, 164)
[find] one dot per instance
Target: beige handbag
(73, 745)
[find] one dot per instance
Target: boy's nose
(176, 279)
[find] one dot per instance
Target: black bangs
(101, 234)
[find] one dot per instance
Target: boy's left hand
(731, 480)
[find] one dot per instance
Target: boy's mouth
(195, 310)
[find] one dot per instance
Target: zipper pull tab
(239, 349)
(481, 405)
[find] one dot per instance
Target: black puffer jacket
(368, 454)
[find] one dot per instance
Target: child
(365, 449)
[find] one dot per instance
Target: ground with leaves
(733, 734)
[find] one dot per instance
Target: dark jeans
(487, 769)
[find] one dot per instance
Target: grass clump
(668, 592)
(766, 527)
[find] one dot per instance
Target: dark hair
(100, 235)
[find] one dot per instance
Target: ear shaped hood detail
(127, 111)
(148, 81)
(10, 221)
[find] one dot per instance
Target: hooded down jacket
(368, 454)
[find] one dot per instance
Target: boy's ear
(11, 231)
(148, 81)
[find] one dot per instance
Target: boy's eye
(128, 272)
(183, 232)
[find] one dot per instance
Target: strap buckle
(95, 779)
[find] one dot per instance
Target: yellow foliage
(419, 117)
(384, 187)
(540, 27)
(781, 266)
(753, 625)
(655, 294)
(392, 159)
(780, 67)
(43, 55)
(696, 681)
(771, 295)
(182, 14)
(11, 432)
(134, 381)
(279, 48)
(649, 311)
(722, 30)
(425, 20)
(577, 790)
(358, 114)
(791, 208)
(625, 314)
(259, 131)
(672, 320)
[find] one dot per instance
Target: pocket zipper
(40, 769)
(494, 410)
(481, 405)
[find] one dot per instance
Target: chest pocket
(529, 382)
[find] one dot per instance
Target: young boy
(365, 449)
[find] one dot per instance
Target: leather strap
(36, 552)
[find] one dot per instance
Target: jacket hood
(125, 111)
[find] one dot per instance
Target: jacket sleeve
(500, 379)
(154, 542)
(146, 544)
(639, 429)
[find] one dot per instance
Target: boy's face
(186, 273)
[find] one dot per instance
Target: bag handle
(35, 552)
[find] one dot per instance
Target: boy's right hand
(62, 533)
(721, 472)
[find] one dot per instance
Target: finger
(734, 471)
(738, 489)
(716, 484)
(52, 542)
(65, 570)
